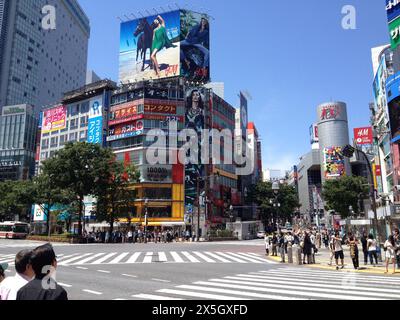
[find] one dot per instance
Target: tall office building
(38, 65)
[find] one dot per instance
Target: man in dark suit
(43, 287)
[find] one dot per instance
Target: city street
(209, 271)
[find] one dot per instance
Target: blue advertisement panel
(95, 125)
(149, 47)
(393, 87)
(392, 9)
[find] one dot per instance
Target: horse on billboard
(145, 41)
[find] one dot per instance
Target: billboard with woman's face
(171, 44)
(195, 46)
(149, 47)
(196, 104)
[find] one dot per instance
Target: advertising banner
(244, 119)
(394, 29)
(392, 9)
(314, 134)
(125, 131)
(157, 173)
(363, 136)
(13, 110)
(331, 112)
(393, 87)
(334, 163)
(149, 47)
(95, 125)
(380, 85)
(54, 119)
(156, 108)
(196, 104)
(124, 120)
(195, 46)
(38, 214)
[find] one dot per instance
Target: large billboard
(149, 47)
(123, 131)
(95, 125)
(393, 97)
(394, 29)
(195, 116)
(171, 44)
(334, 163)
(195, 46)
(54, 119)
(314, 138)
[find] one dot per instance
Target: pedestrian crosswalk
(5, 244)
(288, 283)
(123, 258)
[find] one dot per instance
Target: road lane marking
(92, 292)
(199, 295)
(148, 258)
(231, 257)
(119, 258)
(235, 292)
(176, 257)
(154, 297)
(190, 257)
(88, 259)
(134, 257)
(162, 257)
(119, 299)
(253, 257)
(103, 271)
(108, 256)
(291, 290)
(204, 257)
(244, 258)
(160, 280)
(129, 275)
(309, 283)
(64, 285)
(215, 256)
(68, 261)
(82, 268)
(66, 257)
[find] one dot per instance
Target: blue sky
(289, 55)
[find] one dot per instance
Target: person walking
(371, 244)
(274, 245)
(281, 244)
(331, 249)
(353, 244)
(339, 254)
(364, 242)
(390, 247)
(267, 241)
(24, 273)
(43, 286)
(307, 248)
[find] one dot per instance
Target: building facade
(38, 65)
(18, 127)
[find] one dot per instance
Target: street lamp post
(146, 221)
(348, 151)
(275, 189)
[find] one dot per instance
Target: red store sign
(363, 136)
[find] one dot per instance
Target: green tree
(262, 194)
(46, 194)
(77, 168)
(15, 198)
(340, 194)
(115, 193)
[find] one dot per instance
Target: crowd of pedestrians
(34, 278)
(137, 236)
(310, 241)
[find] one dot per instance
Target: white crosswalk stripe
(116, 258)
(286, 284)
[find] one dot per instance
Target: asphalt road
(206, 271)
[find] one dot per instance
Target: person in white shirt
(371, 244)
(10, 286)
(390, 248)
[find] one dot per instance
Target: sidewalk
(322, 260)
